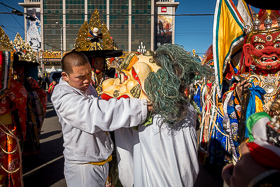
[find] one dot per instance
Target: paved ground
(46, 168)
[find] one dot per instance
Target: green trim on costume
(252, 120)
(149, 119)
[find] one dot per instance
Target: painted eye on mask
(259, 47)
(277, 45)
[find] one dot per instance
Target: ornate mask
(262, 48)
(133, 71)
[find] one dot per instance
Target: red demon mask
(262, 48)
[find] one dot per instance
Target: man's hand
(240, 85)
(150, 105)
(244, 171)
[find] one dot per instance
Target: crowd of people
(151, 117)
(43, 80)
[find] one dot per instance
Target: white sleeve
(90, 114)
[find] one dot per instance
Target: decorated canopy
(94, 39)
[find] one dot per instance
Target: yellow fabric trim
(259, 105)
(229, 31)
(6, 119)
(109, 159)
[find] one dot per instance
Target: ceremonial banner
(34, 28)
(245, 11)
(228, 37)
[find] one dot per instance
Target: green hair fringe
(165, 88)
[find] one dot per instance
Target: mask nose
(87, 81)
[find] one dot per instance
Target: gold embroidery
(135, 91)
(258, 40)
(116, 93)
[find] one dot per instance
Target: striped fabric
(245, 11)
(228, 37)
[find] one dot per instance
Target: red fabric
(209, 54)
(264, 156)
(135, 76)
(51, 87)
(14, 100)
(40, 92)
(18, 95)
(107, 97)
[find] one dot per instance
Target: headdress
(94, 36)
(94, 40)
(266, 22)
(23, 50)
(262, 46)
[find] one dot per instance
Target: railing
(165, 0)
(32, 1)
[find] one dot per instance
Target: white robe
(84, 120)
(157, 156)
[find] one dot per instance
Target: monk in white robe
(85, 119)
(158, 155)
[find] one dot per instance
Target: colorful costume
(13, 97)
(264, 146)
(12, 133)
(258, 63)
(24, 66)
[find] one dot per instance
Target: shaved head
(73, 59)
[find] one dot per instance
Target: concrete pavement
(46, 168)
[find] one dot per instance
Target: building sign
(164, 26)
(163, 9)
(33, 36)
(51, 63)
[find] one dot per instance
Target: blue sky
(12, 23)
(192, 32)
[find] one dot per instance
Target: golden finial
(5, 44)
(95, 20)
(268, 21)
(268, 12)
(193, 51)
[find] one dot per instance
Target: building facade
(134, 25)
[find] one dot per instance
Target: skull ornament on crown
(262, 48)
